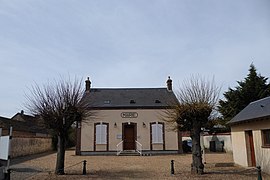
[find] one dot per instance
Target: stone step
(129, 153)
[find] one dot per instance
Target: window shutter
(157, 133)
(154, 133)
(98, 134)
(160, 133)
(101, 134)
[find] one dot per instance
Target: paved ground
(40, 167)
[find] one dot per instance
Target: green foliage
(70, 138)
(252, 88)
(217, 125)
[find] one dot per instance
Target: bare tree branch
(59, 104)
(197, 97)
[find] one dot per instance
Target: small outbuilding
(250, 131)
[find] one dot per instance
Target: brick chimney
(87, 85)
(169, 84)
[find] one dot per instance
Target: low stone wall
(222, 142)
(22, 146)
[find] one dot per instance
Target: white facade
(241, 144)
(146, 123)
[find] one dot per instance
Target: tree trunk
(197, 164)
(60, 162)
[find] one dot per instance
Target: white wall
(218, 138)
(239, 148)
(240, 155)
(143, 133)
(262, 155)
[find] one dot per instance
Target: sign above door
(129, 114)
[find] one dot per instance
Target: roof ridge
(4, 118)
(253, 102)
(126, 88)
(254, 110)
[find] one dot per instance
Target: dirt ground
(41, 167)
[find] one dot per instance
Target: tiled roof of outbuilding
(130, 98)
(27, 126)
(255, 110)
(4, 122)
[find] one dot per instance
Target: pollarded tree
(197, 99)
(252, 88)
(59, 105)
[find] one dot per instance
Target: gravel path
(218, 166)
(21, 168)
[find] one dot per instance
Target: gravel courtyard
(218, 166)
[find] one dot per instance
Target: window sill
(157, 143)
(266, 146)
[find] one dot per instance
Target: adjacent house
(23, 126)
(29, 136)
(250, 130)
(31, 124)
(128, 120)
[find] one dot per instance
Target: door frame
(123, 133)
(250, 148)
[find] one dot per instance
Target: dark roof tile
(255, 110)
(130, 98)
(31, 125)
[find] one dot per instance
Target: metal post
(172, 167)
(84, 167)
(259, 172)
(7, 175)
(7, 170)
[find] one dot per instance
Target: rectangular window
(101, 134)
(266, 138)
(157, 133)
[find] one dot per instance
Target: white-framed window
(157, 133)
(101, 133)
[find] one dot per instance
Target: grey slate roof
(255, 110)
(129, 98)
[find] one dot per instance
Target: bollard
(7, 175)
(172, 167)
(84, 167)
(259, 172)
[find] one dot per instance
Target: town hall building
(128, 120)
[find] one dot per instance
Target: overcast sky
(120, 43)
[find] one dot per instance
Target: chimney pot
(87, 85)
(169, 84)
